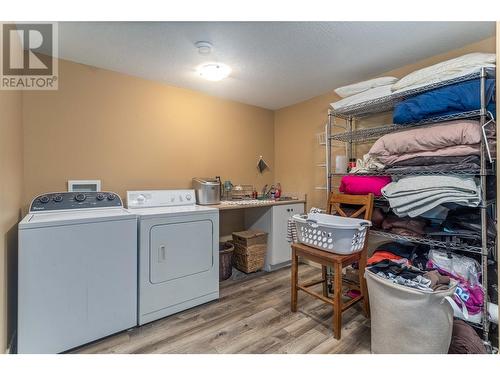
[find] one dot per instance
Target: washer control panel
(75, 200)
(160, 198)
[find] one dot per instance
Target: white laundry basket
(406, 320)
(336, 234)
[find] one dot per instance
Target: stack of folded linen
(454, 145)
(437, 164)
(415, 195)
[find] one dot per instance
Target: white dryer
(178, 252)
(77, 271)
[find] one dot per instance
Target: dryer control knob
(188, 197)
(80, 197)
(44, 199)
(57, 198)
(111, 197)
(141, 199)
(99, 196)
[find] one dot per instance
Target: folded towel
(415, 195)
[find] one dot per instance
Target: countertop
(266, 203)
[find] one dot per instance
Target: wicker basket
(226, 250)
(250, 249)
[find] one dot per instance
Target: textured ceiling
(275, 64)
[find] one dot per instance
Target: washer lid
(42, 219)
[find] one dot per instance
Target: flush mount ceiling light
(213, 71)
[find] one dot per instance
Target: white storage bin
(336, 234)
(405, 320)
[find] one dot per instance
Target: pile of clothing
(441, 223)
(403, 253)
(383, 218)
(411, 266)
(461, 221)
(409, 276)
(415, 195)
(404, 226)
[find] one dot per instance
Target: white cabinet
(273, 220)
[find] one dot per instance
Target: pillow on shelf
(446, 70)
(371, 94)
(356, 88)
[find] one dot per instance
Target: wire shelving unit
(350, 136)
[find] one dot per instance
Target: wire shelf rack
(368, 134)
(387, 103)
(465, 172)
(349, 137)
(383, 200)
(429, 241)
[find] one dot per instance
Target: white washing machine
(77, 271)
(178, 252)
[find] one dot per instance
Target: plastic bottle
(277, 192)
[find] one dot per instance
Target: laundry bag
(406, 320)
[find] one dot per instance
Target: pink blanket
(360, 185)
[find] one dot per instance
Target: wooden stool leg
(325, 281)
(337, 301)
(295, 276)
(362, 284)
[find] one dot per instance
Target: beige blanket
(454, 138)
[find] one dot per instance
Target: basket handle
(363, 225)
(312, 223)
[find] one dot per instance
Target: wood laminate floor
(252, 316)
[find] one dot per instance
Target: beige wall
(137, 134)
(296, 149)
(11, 184)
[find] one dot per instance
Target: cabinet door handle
(162, 254)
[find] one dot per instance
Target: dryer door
(179, 250)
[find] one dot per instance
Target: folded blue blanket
(456, 98)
